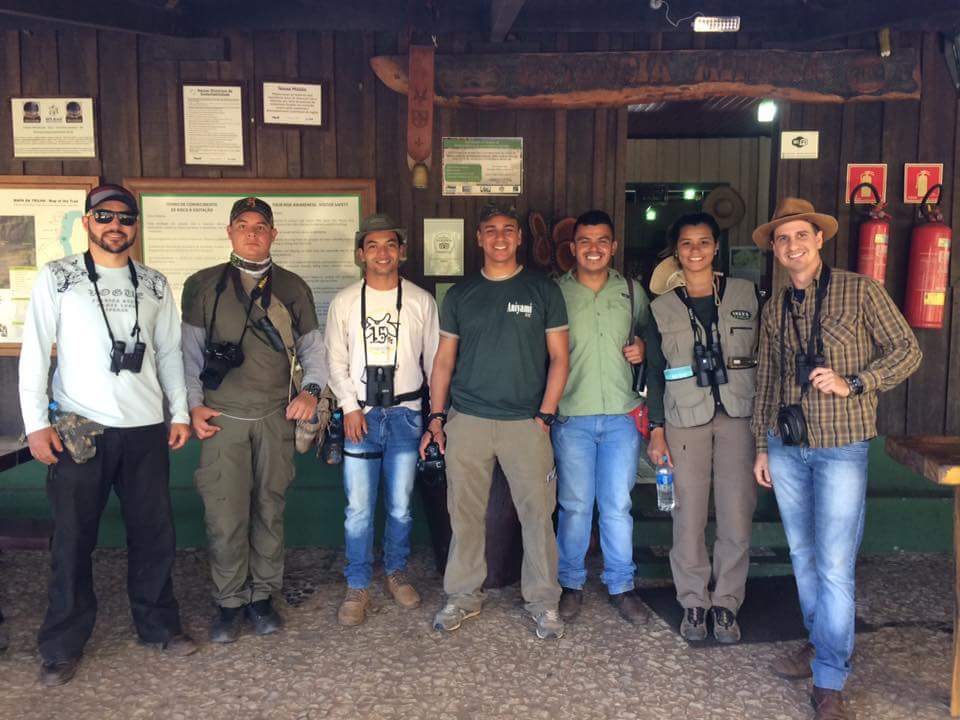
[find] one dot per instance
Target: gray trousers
(245, 470)
(524, 451)
(723, 448)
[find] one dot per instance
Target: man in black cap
(115, 325)
(255, 365)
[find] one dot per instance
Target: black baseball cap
(252, 204)
(492, 209)
(103, 193)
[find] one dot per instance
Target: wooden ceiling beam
(503, 13)
(122, 15)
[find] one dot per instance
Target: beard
(113, 249)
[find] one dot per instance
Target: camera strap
(815, 341)
(363, 322)
(713, 326)
(262, 287)
(92, 274)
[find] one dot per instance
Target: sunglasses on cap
(105, 217)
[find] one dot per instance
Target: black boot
(226, 625)
(264, 618)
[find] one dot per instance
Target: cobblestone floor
(394, 666)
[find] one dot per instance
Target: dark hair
(700, 218)
(592, 217)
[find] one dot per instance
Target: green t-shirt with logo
(501, 326)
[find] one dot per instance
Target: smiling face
(594, 248)
(111, 237)
(696, 248)
(251, 236)
(796, 244)
(381, 253)
(499, 238)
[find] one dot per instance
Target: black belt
(401, 398)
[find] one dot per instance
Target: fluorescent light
(689, 194)
(651, 213)
(766, 111)
(713, 23)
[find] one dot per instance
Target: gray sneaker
(693, 627)
(451, 617)
(726, 629)
(549, 625)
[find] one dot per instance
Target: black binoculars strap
(363, 322)
(712, 329)
(262, 287)
(364, 455)
(92, 274)
(815, 341)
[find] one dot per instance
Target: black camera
(218, 360)
(806, 364)
(708, 364)
(380, 386)
(120, 359)
(792, 425)
(265, 326)
(432, 460)
(639, 377)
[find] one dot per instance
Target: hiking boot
(571, 601)
(828, 705)
(451, 617)
(549, 625)
(403, 592)
(693, 627)
(795, 666)
(631, 607)
(353, 609)
(726, 629)
(59, 672)
(226, 625)
(265, 619)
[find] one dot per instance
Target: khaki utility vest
(684, 403)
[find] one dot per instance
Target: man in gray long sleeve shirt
(249, 328)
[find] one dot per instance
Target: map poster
(53, 127)
(37, 225)
(478, 166)
(443, 246)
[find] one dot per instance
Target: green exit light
(651, 214)
(689, 194)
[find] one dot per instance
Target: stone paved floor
(395, 667)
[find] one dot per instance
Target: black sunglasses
(105, 217)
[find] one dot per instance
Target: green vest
(684, 403)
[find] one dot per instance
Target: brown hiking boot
(403, 592)
(795, 666)
(828, 705)
(571, 600)
(353, 609)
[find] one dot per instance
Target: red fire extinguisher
(874, 237)
(929, 266)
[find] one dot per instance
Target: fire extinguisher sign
(918, 178)
(873, 174)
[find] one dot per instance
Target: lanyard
(713, 328)
(363, 321)
(92, 274)
(262, 288)
(815, 341)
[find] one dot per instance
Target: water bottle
(665, 498)
(53, 410)
(333, 445)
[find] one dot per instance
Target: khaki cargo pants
(245, 470)
(524, 451)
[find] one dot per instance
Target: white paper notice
(213, 124)
(292, 104)
(53, 127)
(443, 246)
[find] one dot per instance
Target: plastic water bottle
(665, 497)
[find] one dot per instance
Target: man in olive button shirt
(595, 440)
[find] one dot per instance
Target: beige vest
(684, 403)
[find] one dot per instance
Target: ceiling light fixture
(766, 111)
(716, 23)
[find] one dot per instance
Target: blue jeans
(821, 493)
(596, 460)
(391, 444)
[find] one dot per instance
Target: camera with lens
(380, 386)
(218, 360)
(120, 359)
(265, 326)
(806, 365)
(792, 425)
(708, 364)
(432, 460)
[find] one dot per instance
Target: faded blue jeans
(390, 449)
(596, 459)
(821, 493)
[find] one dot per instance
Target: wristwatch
(548, 418)
(855, 383)
(653, 425)
(441, 416)
(313, 389)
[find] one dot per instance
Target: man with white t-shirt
(381, 332)
(118, 353)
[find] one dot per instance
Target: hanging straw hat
(726, 206)
(791, 209)
(666, 276)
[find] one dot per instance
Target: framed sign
(918, 178)
(291, 104)
(39, 221)
(53, 127)
(860, 173)
(478, 166)
(214, 127)
(443, 246)
(183, 226)
(800, 145)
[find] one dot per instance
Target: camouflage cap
(377, 223)
(492, 209)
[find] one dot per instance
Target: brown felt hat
(791, 209)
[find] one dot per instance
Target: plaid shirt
(863, 334)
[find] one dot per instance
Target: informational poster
(443, 246)
(747, 262)
(477, 166)
(213, 125)
(37, 225)
(800, 145)
(289, 103)
(53, 127)
(864, 174)
(918, 178)
(185, 232)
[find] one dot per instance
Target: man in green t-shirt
(503, 360)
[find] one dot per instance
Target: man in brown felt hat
(830, 340)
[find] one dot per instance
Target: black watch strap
(548, 418)
(654, 424)
(855, 383)
(441, 416)
(313, 389)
